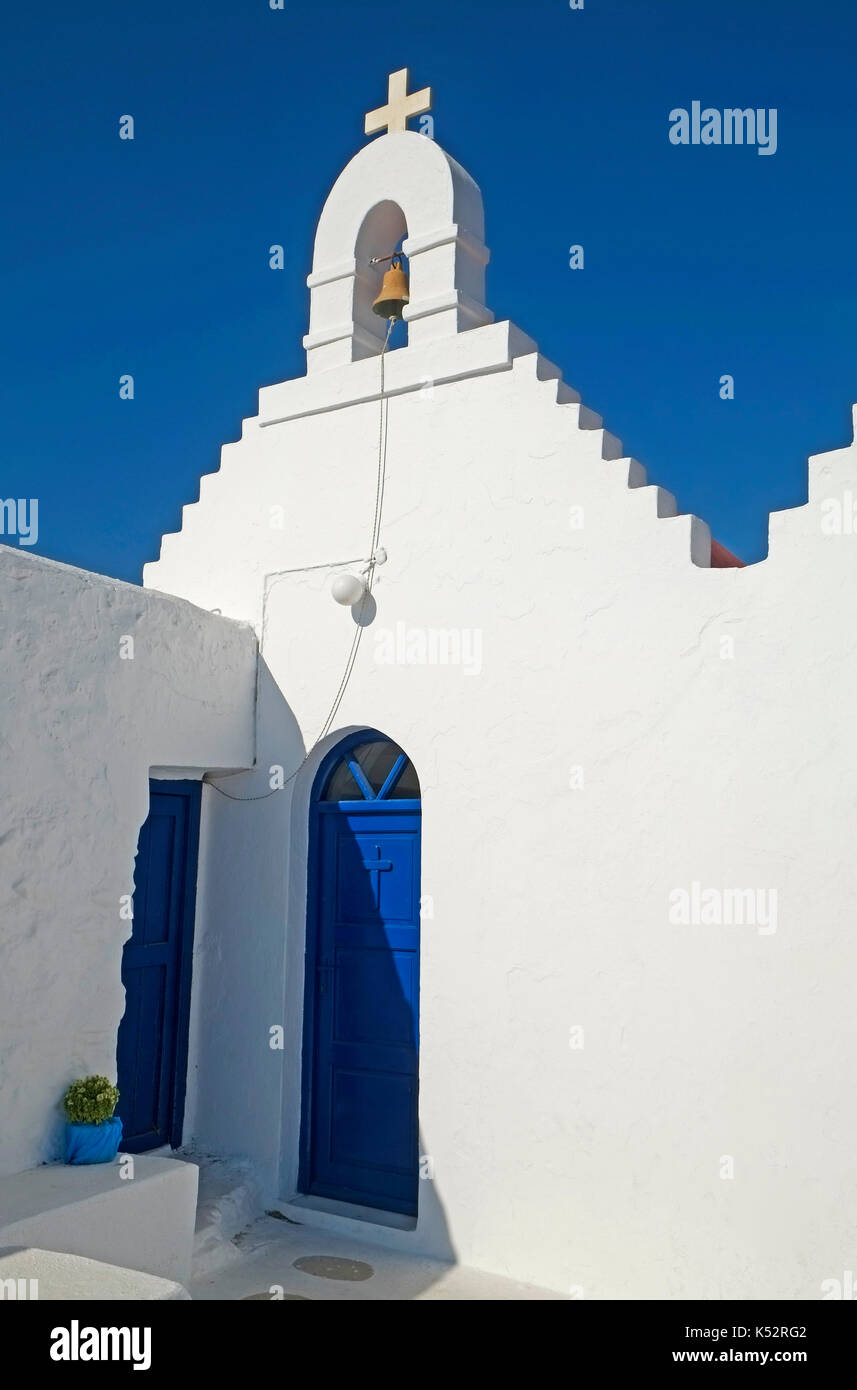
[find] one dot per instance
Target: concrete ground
(275, 1258)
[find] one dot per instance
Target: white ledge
(145, 1222)
(361, 336)
(492, 348)
(415, 245)
(448, 299)
(331, 273)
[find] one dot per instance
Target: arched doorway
(382, 232)
(360, 1135)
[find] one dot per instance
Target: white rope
(370, 582)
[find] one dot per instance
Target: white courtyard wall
(80, 730)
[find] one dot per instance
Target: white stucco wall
(602, 648)
(80, 729)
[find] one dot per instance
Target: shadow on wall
(248, 994)
(238, 1026)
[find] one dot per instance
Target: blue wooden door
(151, 1055)
(361, 1130)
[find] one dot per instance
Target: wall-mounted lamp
(348, 589)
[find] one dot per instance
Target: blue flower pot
(93, 1143)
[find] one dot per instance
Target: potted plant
(93, 1132)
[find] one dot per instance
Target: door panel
(364, 1129)
(151, 1054)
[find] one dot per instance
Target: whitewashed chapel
(496, 879)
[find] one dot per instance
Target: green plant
(90, 1101)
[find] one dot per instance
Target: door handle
(322, 971)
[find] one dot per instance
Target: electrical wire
(367, 595)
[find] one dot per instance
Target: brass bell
(394, 295)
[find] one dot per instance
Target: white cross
(394, 116)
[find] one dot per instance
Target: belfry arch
(382, 231)
(398, 183)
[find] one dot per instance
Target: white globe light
(347, 589)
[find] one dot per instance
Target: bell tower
(401, 191)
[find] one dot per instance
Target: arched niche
(397, 183)
(382, 231)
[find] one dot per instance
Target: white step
(28, 1274)
(229, 1202)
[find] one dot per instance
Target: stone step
(229, 1202)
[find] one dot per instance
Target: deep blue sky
(151, 257)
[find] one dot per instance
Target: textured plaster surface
(80, 729)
